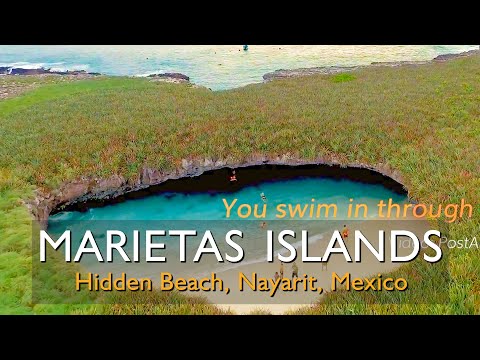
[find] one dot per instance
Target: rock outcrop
(108, 189)
(446, 57)
(171, 76)
(42, 71)
(112, 189)
(283, 74)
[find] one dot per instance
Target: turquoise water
(207, 211)
(179, 206)
(215, 66)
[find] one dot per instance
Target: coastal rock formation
(175, 76)
(85, 191)
(170, 77)
(151, 176)
(88, 189)
(397, 63)
(42, 71)
(446, 57)
(283, 74)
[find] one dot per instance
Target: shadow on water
(218, 181)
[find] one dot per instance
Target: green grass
(12, 86)
(423, 122)
(344, 77)
(152, 303)
(50, 90)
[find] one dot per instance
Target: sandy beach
(247, 301)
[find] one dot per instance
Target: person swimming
(264, 198)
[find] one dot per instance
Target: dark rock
(293, 73)
(446, 57)
(202, 175)
(42, 71)
(175, 76)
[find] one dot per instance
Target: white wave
(53, 66)
(156, 72)
(75, 67)
(150, 73)
(23, 65)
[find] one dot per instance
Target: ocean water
(218, 67)
(203, 212)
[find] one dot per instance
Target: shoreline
(248, 300)
(329, 70)
(91, 191)
(95, 189)
(287, 302)
(215, 181)
(180, 78)
(416, 177)
(19, 71)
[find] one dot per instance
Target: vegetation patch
(422, 121)
(343, 77)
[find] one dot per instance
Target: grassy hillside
(423, 121)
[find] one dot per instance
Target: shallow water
(207, 211)
(215, 66)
